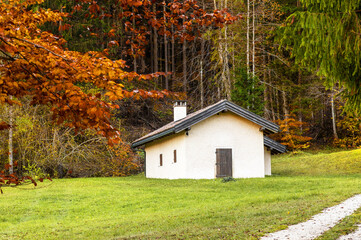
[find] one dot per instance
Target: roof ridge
(200, 115)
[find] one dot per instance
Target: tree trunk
(265, 91)
(165, 50)
(185, 66)
(277, 105)
(11, 152)
(285, 105)
(54, 150)
(333, 114)
(201, 73)
(233, 57)
(273, 115)
(299, 99)
(285, 108)
(253, 43)
(225, 66)
(173, 55)
(228, 86)
(142, 64)
(152, 50)
(271, 93)
(134, 50)
(155, 42)
(61, 23)
(248, 26)
(266, 103)
(322, 118)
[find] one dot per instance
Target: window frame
(161, 160)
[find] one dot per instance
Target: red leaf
(7, 166)
(4, 125)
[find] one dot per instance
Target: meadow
(139, 208)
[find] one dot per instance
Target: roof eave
(198, 118)
(269, 127)
(275, 147)
(153, 137)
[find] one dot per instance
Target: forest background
(201, 52)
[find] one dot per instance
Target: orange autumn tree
(130, 23)
(292, 133)
(34, 63)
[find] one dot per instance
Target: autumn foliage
(122, 162)
(181, 20)
(83, 89)
(291, 134)
(34, 63)
(12, 179)
(349, 128)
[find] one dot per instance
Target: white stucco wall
(166, 146)
(267, 162)
(226, 130)
(196, 157)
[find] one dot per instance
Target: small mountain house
(220, 140)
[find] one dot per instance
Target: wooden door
(224, 162)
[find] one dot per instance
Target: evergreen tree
(325, 38)
(247, 91)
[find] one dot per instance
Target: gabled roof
(274, 146)
(198, 116)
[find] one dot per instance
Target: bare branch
(273, 55)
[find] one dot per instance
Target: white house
(220, 140)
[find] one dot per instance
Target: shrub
(228, 179)
(349, 131)
(291, 134)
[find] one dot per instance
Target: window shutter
(161, 160)
(175, 156)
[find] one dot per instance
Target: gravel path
(352, 236)
(319, 223)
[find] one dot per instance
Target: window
(161, 160)
(175, 156)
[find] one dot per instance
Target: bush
(228, 179)
(291, 134)
(42, 147)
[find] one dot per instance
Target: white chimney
(180, 110)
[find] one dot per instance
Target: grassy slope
(135, 207)
(322, 163)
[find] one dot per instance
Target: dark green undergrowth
(139, 208)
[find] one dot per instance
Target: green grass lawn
(317, 163)
(139, 208)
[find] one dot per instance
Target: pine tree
(247, 91)
(325, 38)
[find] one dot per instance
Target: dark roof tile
(194, 118)
(275, 147)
